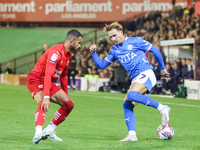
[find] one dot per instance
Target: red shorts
(35, 84)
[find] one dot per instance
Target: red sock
(63, 112)
(40, 116)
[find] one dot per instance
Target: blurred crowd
(181, 69)
(153, 27)
(8, 69)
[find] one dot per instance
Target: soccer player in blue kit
(130, 51)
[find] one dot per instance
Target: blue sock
(129, 115)
(135, 96)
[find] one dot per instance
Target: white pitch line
(123, 99)
(180, 104)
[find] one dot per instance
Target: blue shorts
(146, 78)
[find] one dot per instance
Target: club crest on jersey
(54, 57)
(130, 47)
(40, 86)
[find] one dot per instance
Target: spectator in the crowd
(197, 37)
(104, 73)
(72, 71)
(157, 88)
(191, 10)
(93, 74)
(45, 46)
(101, 47)
(173, 14)
(140, 21)
(78, 72)
(178, 60)
(113, 85)
(84, 53)
(175, 78)
(132, 25)
(119, 76)
(8, 70)
(94, 67)
(90, 63)
(166, 84)
(78, 57)
(190, 67)
(103, 41)
(84, 68)
(184, 70)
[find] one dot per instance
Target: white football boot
(130, 137)
(52, 135)
(165, 115)
(41, 136)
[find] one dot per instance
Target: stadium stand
(151, 26)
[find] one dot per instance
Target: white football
(165, 133)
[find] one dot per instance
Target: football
(165, 133)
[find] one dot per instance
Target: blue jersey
(131, 55)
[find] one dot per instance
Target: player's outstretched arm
(158, 56)
(101, 64)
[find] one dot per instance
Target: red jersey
(53, 64)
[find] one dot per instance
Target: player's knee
(132, 95)
(68, 105)
(127, 105)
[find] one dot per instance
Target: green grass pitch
(96, 123)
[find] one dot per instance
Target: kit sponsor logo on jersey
(130, 47)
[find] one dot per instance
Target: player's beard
(73, 47)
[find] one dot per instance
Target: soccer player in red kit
(53, 64)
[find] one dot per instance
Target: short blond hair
(113, 25)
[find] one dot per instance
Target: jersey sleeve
(52, 59)
(101, 64)
(143, 44)
(110, 57)
(158, 56)
(148, 47)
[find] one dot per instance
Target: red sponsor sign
(196, 8)
(79, 10)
